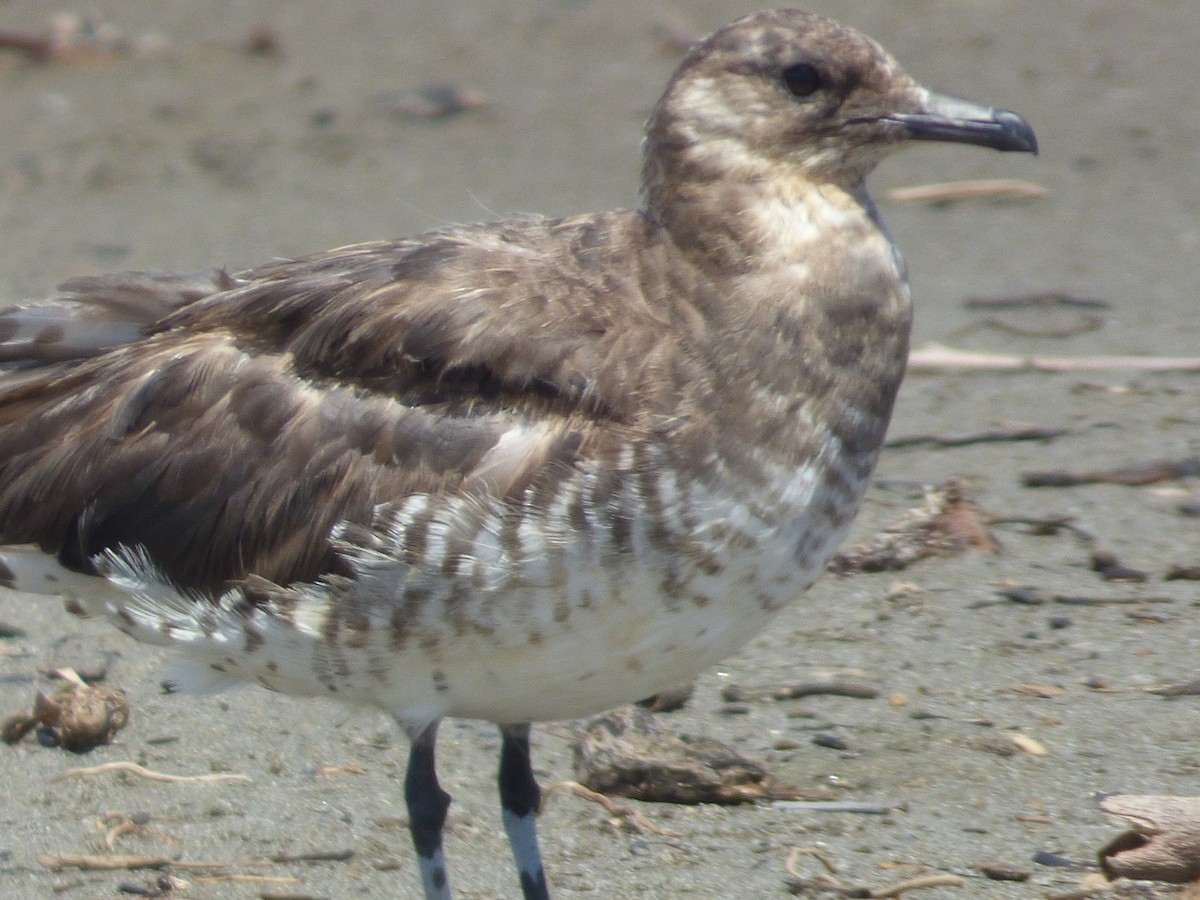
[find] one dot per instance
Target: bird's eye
(802, 80)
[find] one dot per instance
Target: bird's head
(784, 93)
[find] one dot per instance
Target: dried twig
(142, 772)
(90, 862)
(1134, 475)
(1083, 324)
(1067, 600)
(837, 806)
(831, 686)
(937, 358)
(1001, 435)
(339, 855)
(630, 816)
(1182, 689)
(951, 191)
(1036, 300)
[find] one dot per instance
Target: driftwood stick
(935, 358)
(950, 191)
(142, 772)
(1164, 844)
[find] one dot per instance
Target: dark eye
(802, 80)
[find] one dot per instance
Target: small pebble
(827, 739)
(1003, 872)
(1028, 596)
(732, 693)
(430, 101)
(1111, 569)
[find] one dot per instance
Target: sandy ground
(209, 158)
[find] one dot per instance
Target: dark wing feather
(248, 423)
(556, 313)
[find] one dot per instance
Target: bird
(515, 471)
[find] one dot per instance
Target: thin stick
(148, 774)
(89, 862)
(842, 806)
(627, 813)
(948, 191)
(937, 358)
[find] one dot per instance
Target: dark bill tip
(958, 121)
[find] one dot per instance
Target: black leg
(427, 805)
(520, 798)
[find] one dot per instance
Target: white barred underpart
(611, 625)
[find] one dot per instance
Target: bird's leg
(427, 805)
(520, 798)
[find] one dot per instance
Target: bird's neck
(808, 307)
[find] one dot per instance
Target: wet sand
(211, 158)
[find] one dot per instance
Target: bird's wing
(234, 437)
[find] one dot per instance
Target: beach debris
(840, 806)
(1041, 526)
(1023, 594)
(1026, 744)
(943, 193)
(625, 815)
(1058, 861)
(434, 100)
(1189, 572)
(1044, 691)
(114, 825)
(629, 753)
(1003, 871)
(1133, 475)
(827, 881)
(1179, 689)
(934, 358)
(1038, 301)
(78, 717)
(73, 38)
(1164, 843)
(671, 700)
(947, 524)
(1075, 600)
(1081, 323)
(339, 854)
(9, 631)
(838, 684)
(98, 863)
(992, 436)
(1035, 300)
(262, 40)
(131, 768)
(1111, 569)
(830, 741)
(329, 770)
(162, 886)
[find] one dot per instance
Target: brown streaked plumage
(516, 471)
